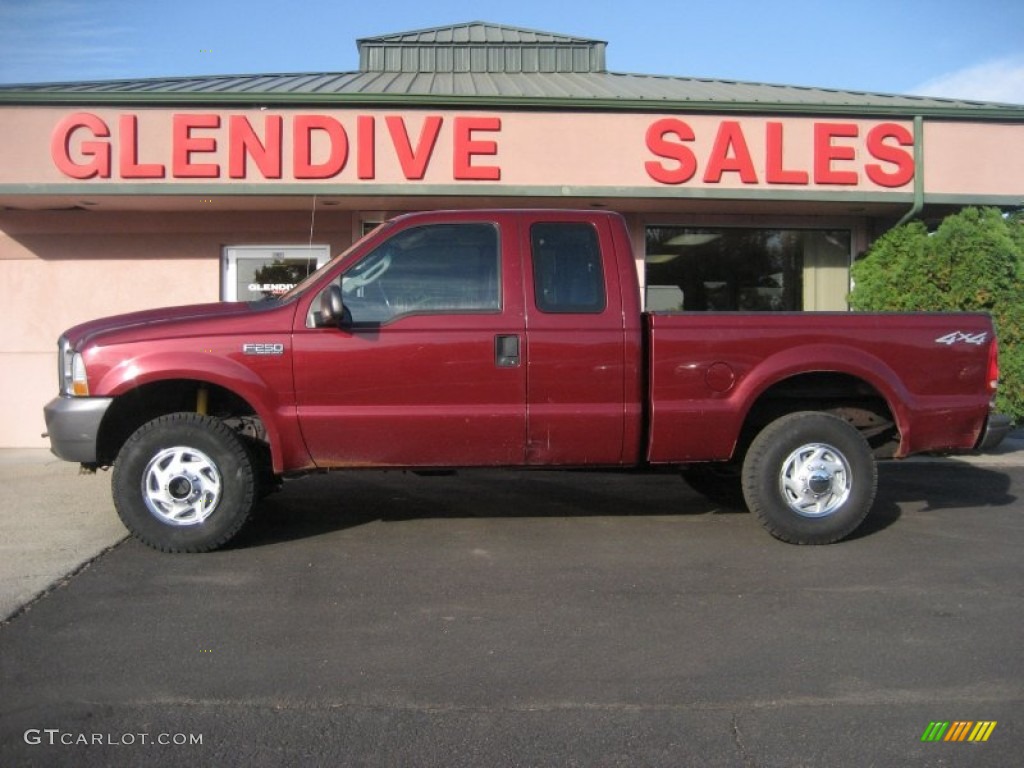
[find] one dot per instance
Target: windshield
(303, 286)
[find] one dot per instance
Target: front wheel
(810, 478)
(184, 483)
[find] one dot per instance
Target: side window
(567, 271)
(433, 269)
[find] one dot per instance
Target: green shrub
(974, 261)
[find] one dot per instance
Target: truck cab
(453, 350)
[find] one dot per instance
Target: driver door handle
(506, 350)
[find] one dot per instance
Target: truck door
(428, 372)
(576, 375)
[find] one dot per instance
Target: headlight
(73, 379)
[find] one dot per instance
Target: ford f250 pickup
(510, 338)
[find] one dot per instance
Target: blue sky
(959, 48)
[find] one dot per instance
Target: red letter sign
(99, 151)
(185, 145)
(465, 148)
(243, 142)
(903, 173)
(683, 155)
(128, 152)
(774, 172)
(302, 151)
(414, 163)
(730, 153)
(825, 152)
(367, 140)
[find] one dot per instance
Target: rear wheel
(810, 478)
(184, 483)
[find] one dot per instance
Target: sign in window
(255, 272)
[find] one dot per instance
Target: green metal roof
(475, 32)
(480, 47)
(493, 66)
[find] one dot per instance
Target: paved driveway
(505, 618)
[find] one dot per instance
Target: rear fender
(828, 358)
(690, 423)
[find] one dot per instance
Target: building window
(255, 272)
(753, 270)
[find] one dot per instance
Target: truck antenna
(312, 219)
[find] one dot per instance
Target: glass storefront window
(257, 272)
(753, 270)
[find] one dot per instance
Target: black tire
(184, 483)
(267, 482)
(810, 478)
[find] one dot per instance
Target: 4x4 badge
(959, 337)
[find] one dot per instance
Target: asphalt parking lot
(534, 619)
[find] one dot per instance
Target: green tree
(974, 261)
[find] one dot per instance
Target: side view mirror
(332, 306)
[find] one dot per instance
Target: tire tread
(127, 496)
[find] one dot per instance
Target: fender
(925, 421)
(270, 396)
(681, 415)
(827, 358)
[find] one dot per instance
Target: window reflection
(439, 268)
(728, 269)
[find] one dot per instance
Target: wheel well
(132, 409)
(852, 399)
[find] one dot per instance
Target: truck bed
(708, 371)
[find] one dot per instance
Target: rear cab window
(568, 275)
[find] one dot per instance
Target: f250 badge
(959, 337)
(262, 349)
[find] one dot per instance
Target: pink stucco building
(121, 195)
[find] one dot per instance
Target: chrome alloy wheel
(815, 480)
(181, 486)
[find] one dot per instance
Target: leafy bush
(974, 261)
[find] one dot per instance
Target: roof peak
(488, 29)
(480, 46)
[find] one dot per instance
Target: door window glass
(567, 272)
(437, 268)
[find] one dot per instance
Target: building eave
(954, 111)
(535, 90)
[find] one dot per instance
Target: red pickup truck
(510, 338)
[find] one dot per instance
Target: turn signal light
(79, 380)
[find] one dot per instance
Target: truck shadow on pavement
(329, 503)
(915, 487)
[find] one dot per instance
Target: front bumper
(997, 426)
(73, 424)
